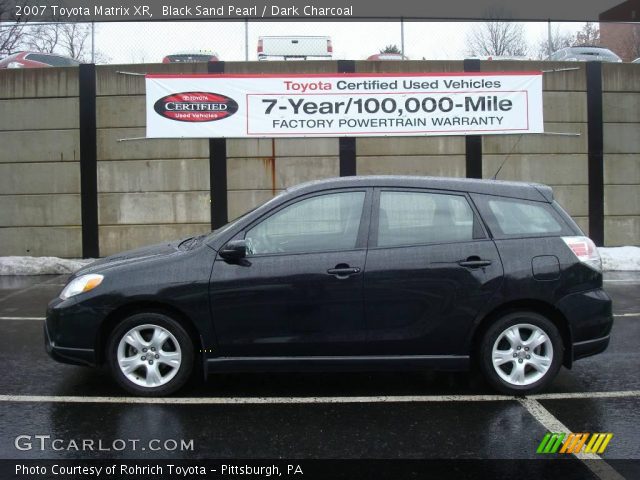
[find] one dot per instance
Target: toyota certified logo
(196, 106)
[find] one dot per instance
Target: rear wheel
(150, 354)
(521, 353)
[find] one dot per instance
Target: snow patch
(40, 265)
(620, 258)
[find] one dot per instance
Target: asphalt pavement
(430, 415)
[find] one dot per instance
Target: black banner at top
(278, 10)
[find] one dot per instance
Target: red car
(36, 60)
(190, 57)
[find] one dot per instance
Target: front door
(299, 291)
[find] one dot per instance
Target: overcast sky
(151, 41)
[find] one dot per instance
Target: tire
(150, 354)
(524, 363)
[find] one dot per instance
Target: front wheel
(150, 354)
(521, 353)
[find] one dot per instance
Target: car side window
(516, 217)
(322, 223)
(414, 218)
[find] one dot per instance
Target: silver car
(584, 54)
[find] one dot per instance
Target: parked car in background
(37, 60)
(637, 60)
(191, 57)
(387, 56)
(584, 54)
(458, 273)
(295, 48)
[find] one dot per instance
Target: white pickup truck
(295, 48)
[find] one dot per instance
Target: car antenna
(495, 175)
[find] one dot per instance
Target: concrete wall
(621, 106)
(556, 160)
(149, 191)
(156, 190)
(39, 163)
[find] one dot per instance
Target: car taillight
(260, 49)
(329, 46)
(15, 65)
(585, 250)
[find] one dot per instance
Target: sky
(149, 42)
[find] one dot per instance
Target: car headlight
(81, 284)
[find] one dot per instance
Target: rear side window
(511, 217)
(415, 218)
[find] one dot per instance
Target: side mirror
(234, 250)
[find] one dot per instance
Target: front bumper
(69, 333)
(73, 356)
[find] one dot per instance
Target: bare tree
(43, 38)
(497, 37)
(11, 33)
(589, 34)
(554, 42)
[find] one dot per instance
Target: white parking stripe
(600, 469)
(626, 314)
(22, 318)
(302, 400)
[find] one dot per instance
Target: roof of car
(522, 190)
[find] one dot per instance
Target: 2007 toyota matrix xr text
(380, 272)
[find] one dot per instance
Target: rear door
(430, 269)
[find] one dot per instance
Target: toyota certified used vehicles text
(351, 273)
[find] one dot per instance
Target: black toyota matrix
(351, 273)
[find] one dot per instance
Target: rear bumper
(590, 320)
(590, 347)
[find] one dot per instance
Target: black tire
(184, 346)
(494, 332)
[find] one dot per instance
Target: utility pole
(246, 39)
(402, 35)
(549, 39)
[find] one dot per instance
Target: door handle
(343, 272)
(474, 263)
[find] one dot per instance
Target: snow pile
(620, 258)
(40, 265)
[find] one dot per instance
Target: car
(637, 60)
(37, 60)
(585, 53)
(191, 57)
(300, 47)
(371, 272)
(387, 56)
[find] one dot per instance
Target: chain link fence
(152, 42)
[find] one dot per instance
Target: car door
(299, 291)
(430, 268)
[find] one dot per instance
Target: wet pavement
(359, 415)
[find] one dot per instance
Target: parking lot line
(300, 400)
(600, 469)
(626, 314)
(22, 318)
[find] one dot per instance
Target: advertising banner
(343, 105)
